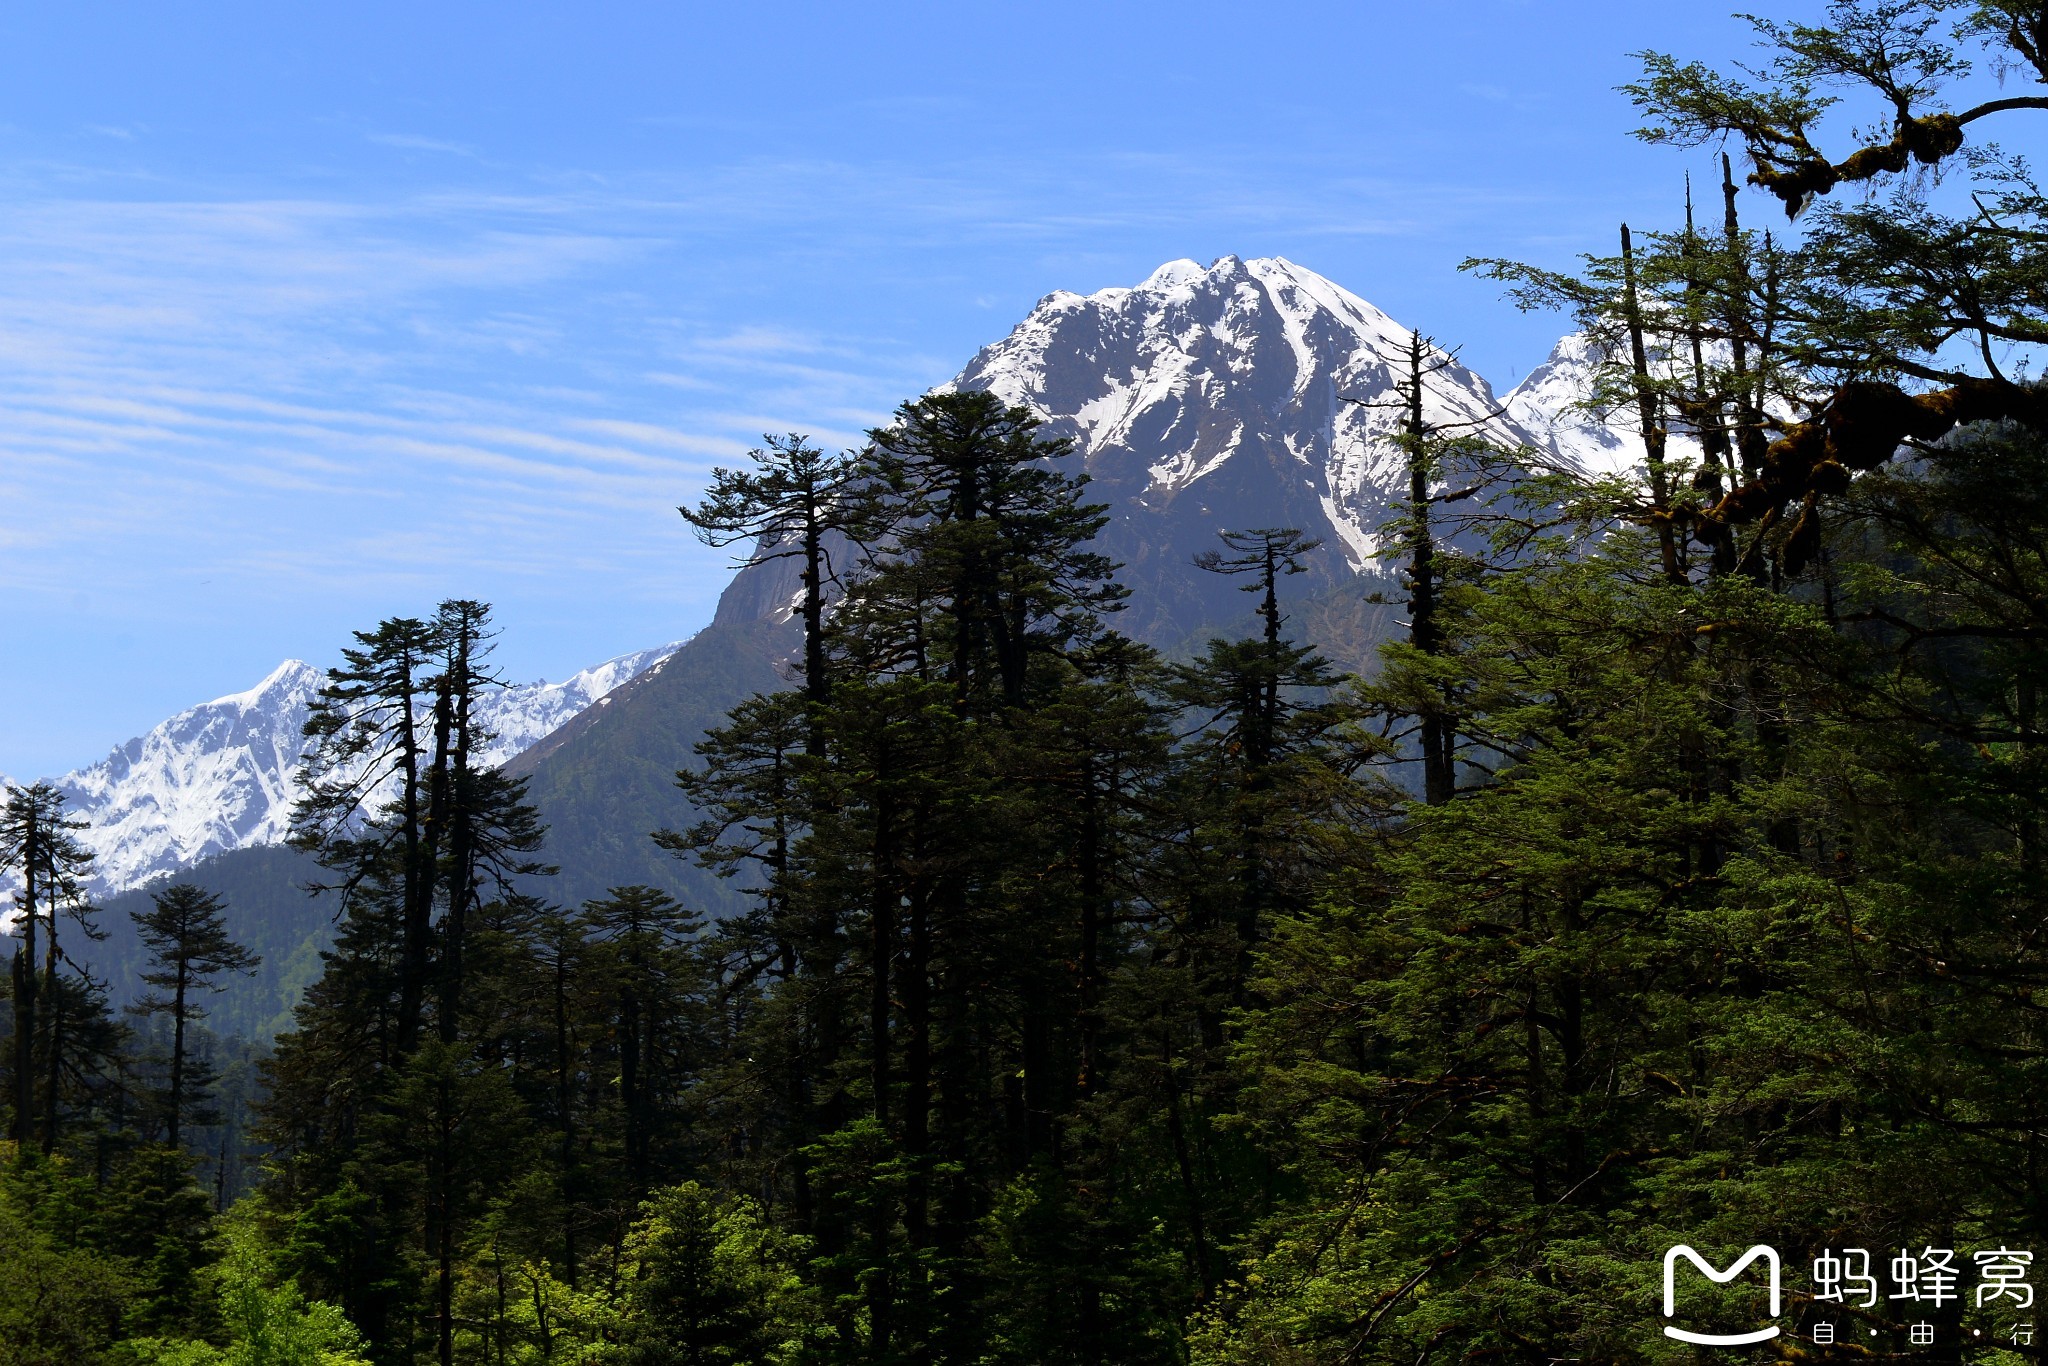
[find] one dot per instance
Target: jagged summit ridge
(213, 777)
(1180, 387)
(1239, 394)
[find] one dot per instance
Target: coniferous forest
(1676, 876)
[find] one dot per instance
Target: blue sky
(311, 315)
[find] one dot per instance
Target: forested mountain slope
(606, 781)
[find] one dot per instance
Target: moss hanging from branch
(1863, 426)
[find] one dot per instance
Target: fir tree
(38, 841)
(796, 503)
(646, 972)
(425, 870)
(478, 819)
(365, 729)
(712, 1282)
(1439, 456)
(1255, 723)
(188, 947)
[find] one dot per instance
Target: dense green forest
(1675, 878)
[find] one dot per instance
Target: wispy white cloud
(413, 142)
(649, 434)
(303, 397)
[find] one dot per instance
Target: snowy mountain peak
(1550, 404)
(1175, 273)
(288, 679)
(1248, 385)
(219, 776)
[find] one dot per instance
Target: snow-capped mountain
(218, 776)
(214, 777)
(1549, 407)
(1554, 408)
(1182, 386)
(1254, 393)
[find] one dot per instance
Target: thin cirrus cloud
(413, 142)
(233, 429)
(334, 344)
(455, 339)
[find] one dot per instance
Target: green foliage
(63, 1306)
(271, 1324)
(1713, 957)
(1071, 1278)
(93, 1260)
(153, 1215)
(705, 1280)
(265, 1320)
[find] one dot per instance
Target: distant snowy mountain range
(1244, 393)
(219, 776)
